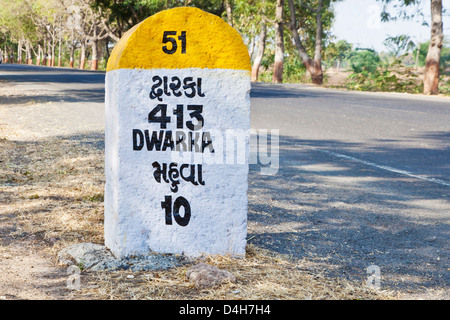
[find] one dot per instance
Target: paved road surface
(363, 179)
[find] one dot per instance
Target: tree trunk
(53, 52)
(72, 51)
(83, 55)
(49, 54)
(6, 57)
(94, 45)
(59, 51)
(260, 52)
(251, 48)
(315, 70)
(44, 55)
(107, 48)
(39, 55)
(94, 64)
(28, 53)
(279, 43)
(229, 12)
(19, 51)
(317, 75)
(314, 67)
(431, 80)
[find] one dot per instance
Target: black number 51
(168, 36)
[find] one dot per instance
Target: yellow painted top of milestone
(202, 40)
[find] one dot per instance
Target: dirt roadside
(33, 184)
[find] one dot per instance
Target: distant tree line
(288, 40)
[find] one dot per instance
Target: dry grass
(52, 190)
(261, 275)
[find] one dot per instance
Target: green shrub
(370, 74)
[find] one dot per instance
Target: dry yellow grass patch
(261, 275)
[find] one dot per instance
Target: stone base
(97, 257)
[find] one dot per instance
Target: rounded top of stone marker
(209, 43)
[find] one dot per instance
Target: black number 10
(168, 37)
(179, 202)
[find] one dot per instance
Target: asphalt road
(362, 178)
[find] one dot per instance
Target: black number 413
(169, 36)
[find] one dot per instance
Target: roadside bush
(293, 70)
(444, 86)
(364, 61)
(386, 80)
(370, 74)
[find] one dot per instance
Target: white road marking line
(387, 168)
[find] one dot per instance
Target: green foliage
(399, 45)
(444, 86)
(127, 13)
(423, 50)
(268, 59)
(15, 18)
(403, 10)
(336, 53)
(364, 61)
(444, 61)
(386, 80)
(294, 70)
(368, 74)
(306, 18)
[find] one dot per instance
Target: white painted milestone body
(177, 127)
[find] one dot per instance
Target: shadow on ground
(88, 95)
(346, 216)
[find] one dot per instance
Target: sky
(358, 22)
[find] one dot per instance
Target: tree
(364, 61)
(337, 53)
(229, 10)
(252, 19)
(47, 17)
(16, 18)
(260, 52)
(90, 31)
(279, 43)
(314, 64)
(399, 45)
(73, 24)
(118, 16)
(431, 78)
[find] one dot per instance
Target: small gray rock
(204, 276)
(97, 257)
(85, 255)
